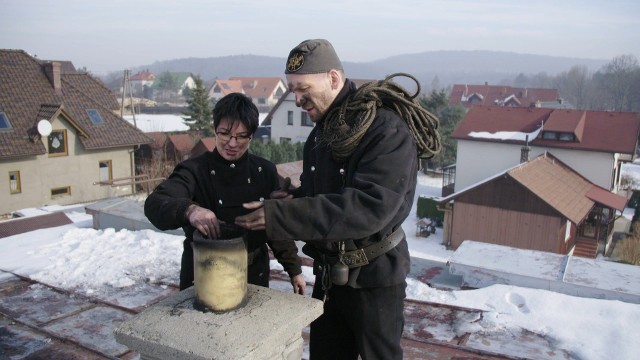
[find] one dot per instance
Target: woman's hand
(204, 220)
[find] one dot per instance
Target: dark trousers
(257, 271)
(366, 322)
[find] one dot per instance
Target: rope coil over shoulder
(346, 125)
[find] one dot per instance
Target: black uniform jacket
(214, 183)
(360, 201)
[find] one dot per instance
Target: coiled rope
(345, 126)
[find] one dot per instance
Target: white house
(493, 139)
(289, 123)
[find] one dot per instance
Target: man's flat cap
(312, 57)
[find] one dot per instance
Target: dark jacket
(212, 182)
(360, 201)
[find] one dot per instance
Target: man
(358, 184)
(208, 191)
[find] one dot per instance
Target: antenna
(126, 85)
(44, 128)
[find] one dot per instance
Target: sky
(105, 36)
(68, 256)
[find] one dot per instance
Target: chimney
(524, 151)
(52, 69)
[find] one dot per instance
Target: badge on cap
(295, 62)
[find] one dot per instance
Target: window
(95, 117)
(289, 117)
(14, 182)
(57, 142)
(4, 121)
(279, 92)
(60, 191)
(106, 173)
(562, 136)
(566, 137)
(262, 101)
(305, 120)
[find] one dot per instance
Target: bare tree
(616, 82)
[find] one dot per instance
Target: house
(492, 139)
(221, 88)
(264, 91)
(501, 95)
(61, 141)
(541, 204)
(153, 150)
(203, 145)
(184, 80)
(142, 82)
(289, 123)
(180, 81)
(178, 147)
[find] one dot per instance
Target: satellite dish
(44, 128)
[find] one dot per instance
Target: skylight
(4, 121)
(95, 117)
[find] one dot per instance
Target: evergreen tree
(438, 104)
(199, 110)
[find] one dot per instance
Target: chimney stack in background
(524, 151)
(52, 69)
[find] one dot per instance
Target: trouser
(257, 271)
(366, 322)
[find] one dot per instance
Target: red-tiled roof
(181, 142)
(209, 142)
(158, 139)
(499, 94)
(557, 184)
(229, 86)
(26, 95)
(145, 75)
(257, 87)
(615, 132)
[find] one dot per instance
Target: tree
(199, 110)
(166, 84)
(438, 104)
(575, 85)
(616, 82)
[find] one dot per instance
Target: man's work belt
(360, 257)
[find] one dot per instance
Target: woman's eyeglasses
(240, 139)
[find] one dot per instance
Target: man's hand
(253, 220)
(283, 193)
(298, 284)
(204, 220)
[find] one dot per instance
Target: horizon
(127, 34)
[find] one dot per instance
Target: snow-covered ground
(78, 257)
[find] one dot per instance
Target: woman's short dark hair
(236, 107)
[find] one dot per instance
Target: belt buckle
(354, 258)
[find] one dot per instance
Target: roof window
(555, 135)
(95, 117)
(4, 121)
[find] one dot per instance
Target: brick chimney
(52, 69)
(524, 151)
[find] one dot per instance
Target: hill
(444, 67)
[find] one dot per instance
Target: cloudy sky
(112, 35)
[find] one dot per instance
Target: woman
(206, 191)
